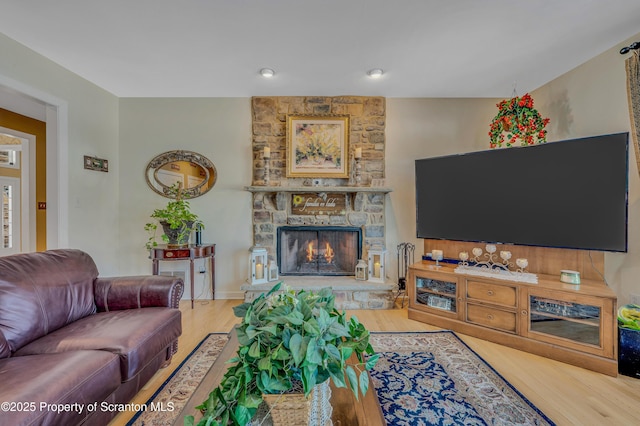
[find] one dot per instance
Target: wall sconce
(272, 274)
(257, 265)
(376, 257)
(361, 270)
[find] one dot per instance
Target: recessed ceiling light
(267, 72)
(375, 73)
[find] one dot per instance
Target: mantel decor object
(376, 257)
(361, 270)
(358, 166)
(272, 271)
(266, 156)
(488, 265)
(517, 121)
(258, 267)
(437, 255)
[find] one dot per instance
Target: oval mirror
(194, 172)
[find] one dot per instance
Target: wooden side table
(190, 252)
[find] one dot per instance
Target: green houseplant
(517, 120)
(176, 219)
(286, 337)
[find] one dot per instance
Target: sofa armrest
(143, 291)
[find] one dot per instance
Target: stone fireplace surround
(364, 206)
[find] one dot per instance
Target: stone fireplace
(318, 250)
(316, 229)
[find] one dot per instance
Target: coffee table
(347, 411)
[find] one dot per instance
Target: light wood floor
(568, 395)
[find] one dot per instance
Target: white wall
(218, 128)
(421, 128)
(592, 100)
(92, 129)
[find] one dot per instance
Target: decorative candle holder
(358, 173)
(361, 270)
(272, 271)
(522, 264)
(258, 265)
(376, 269)
(437, 256)
(505, 256)
(266, 169)
(488, 265)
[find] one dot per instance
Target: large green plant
(287, 337)
(177, 219)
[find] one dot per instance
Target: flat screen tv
(567, 194)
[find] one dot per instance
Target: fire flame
(328, 253)
(310, 252)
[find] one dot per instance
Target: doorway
(20, 150)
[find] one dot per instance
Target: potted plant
(517, 120)
(176, 219)
(629, 340)
(286, 338)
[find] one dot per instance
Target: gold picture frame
(318, 146)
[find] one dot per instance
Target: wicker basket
(289, 409)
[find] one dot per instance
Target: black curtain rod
(633, 46)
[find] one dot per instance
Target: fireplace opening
(318, 250)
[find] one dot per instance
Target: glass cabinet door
(578, 322)
(437, 294)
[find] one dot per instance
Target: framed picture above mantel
(318, 146)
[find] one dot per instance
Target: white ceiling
(214, 48)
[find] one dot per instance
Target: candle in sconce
(376, 269)
(358, 153)
(266, 153)
(259, 271)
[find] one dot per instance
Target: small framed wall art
(94, 163)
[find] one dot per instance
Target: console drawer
(491, 317)
(493, 293)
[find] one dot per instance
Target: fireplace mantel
(340, 189)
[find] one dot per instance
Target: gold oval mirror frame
(195, 172)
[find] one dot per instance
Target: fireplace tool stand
(406, 256)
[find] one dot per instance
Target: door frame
(57, 123)
(27, 187)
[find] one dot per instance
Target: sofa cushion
(81, 377)
(5, 350)
(41, 292)
(136, 335)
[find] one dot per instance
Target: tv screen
(567, 194)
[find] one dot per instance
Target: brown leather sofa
(74, 346)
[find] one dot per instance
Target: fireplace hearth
(318, 250)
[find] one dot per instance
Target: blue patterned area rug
(434, 378)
